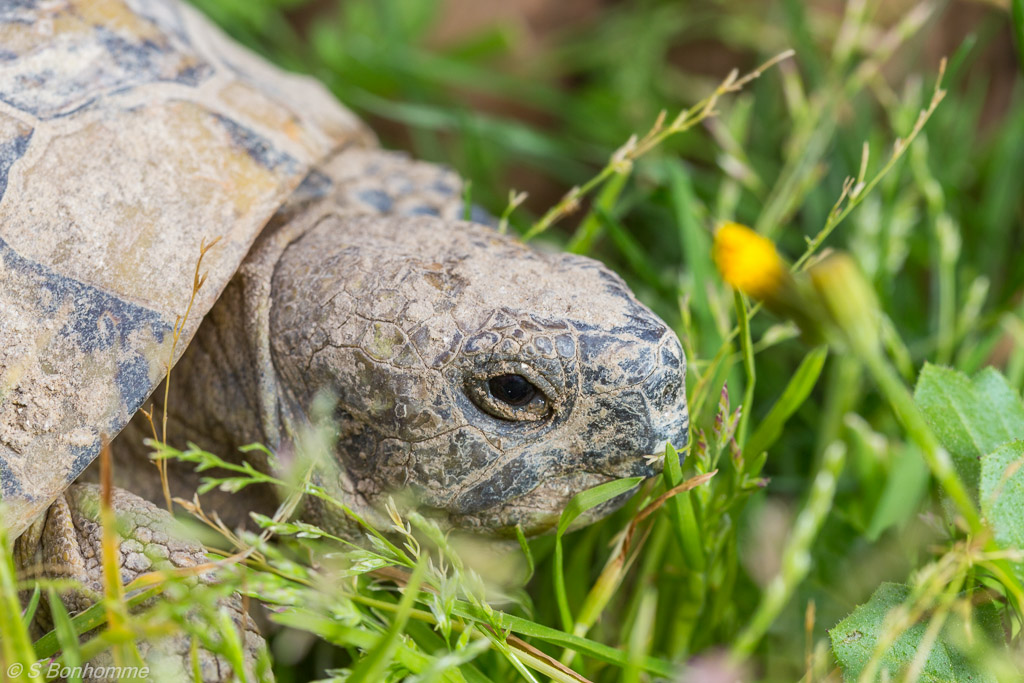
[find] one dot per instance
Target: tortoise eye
(512, 391)
(515, 390)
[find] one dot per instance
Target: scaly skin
(66, 544)
(403, 320)
(364, 285)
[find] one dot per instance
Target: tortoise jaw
(539, 511)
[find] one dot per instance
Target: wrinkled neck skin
(213, 402)
(225, 394)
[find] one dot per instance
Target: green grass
(834, 501)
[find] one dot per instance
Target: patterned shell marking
(129, 131)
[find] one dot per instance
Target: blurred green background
(536, 96)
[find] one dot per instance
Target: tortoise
(489, 380)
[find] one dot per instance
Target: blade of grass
(749, 371)
(372, 666)
(796, 557)
(527, 553)
(682, 515)
(518, 625)
(113, 591)
(579, 504)
(640, 637)
(583, 646)
(350, 636)
(1017, 22)
(793, 396)
(85, 621)
(29, 613)
(696, 248)
(689, 534)
(71, 654)
(16, 643)
(590, 227)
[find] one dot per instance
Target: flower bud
(848, 299)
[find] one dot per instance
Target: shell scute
(65, 59)
(130, 131)
(14, 138)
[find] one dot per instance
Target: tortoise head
(491, 380)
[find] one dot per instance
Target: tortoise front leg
(66, 543)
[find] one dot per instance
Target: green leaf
(591, 498)
(681, 513)
(580, 503)
(1017, 15)
(1002, 494)
(578, 644)
(29, 613)
(793, 396)
(377, 659)
(527, 553)
(66, 635)
(1002, 399)
(951, 659)
(971, 418)
(905, 486)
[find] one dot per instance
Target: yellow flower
(748, 261)
(830, 301)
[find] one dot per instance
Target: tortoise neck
(212, 403)
(213, 397)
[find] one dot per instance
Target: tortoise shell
(130, 132)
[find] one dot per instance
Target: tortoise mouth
(538, 511)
